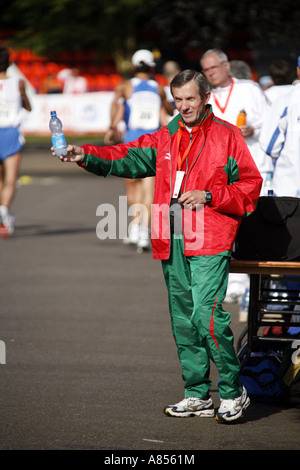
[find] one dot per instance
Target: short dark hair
(186, 76)
(4, 58)
(142, 67)
(280, 72)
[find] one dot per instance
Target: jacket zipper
(187, 172)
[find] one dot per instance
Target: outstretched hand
(75, 154)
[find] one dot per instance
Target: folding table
(269, 304)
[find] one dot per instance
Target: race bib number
(7, 115)
(144, 116)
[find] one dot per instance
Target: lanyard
(223, 109)
(181, 159)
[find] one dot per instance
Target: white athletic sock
(3, 211)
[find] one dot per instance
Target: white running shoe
(143, 243)
(133, 235)
(230, 410)
(7, 225)
(191, 407)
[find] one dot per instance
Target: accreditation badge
(178, 183)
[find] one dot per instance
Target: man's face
(216, 72)
(189, 103)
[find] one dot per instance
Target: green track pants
(196, 287)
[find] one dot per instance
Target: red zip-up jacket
(218, 161)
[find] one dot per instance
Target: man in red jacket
(206, 181)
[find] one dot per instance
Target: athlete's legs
(147, 199)
(1, 178)
(134, 199)
(10, 169)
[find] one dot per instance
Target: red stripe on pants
(211, 326)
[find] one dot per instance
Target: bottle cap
(53, 113)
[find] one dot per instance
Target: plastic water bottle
(58, 138)
(268, 185)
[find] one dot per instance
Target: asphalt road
(90, 358)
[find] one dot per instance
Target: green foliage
(120, 26)
(218, 23)
(51, 27)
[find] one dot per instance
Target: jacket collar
(173, 125)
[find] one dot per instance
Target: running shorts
(11, 142)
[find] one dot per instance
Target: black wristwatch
(208, 196)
